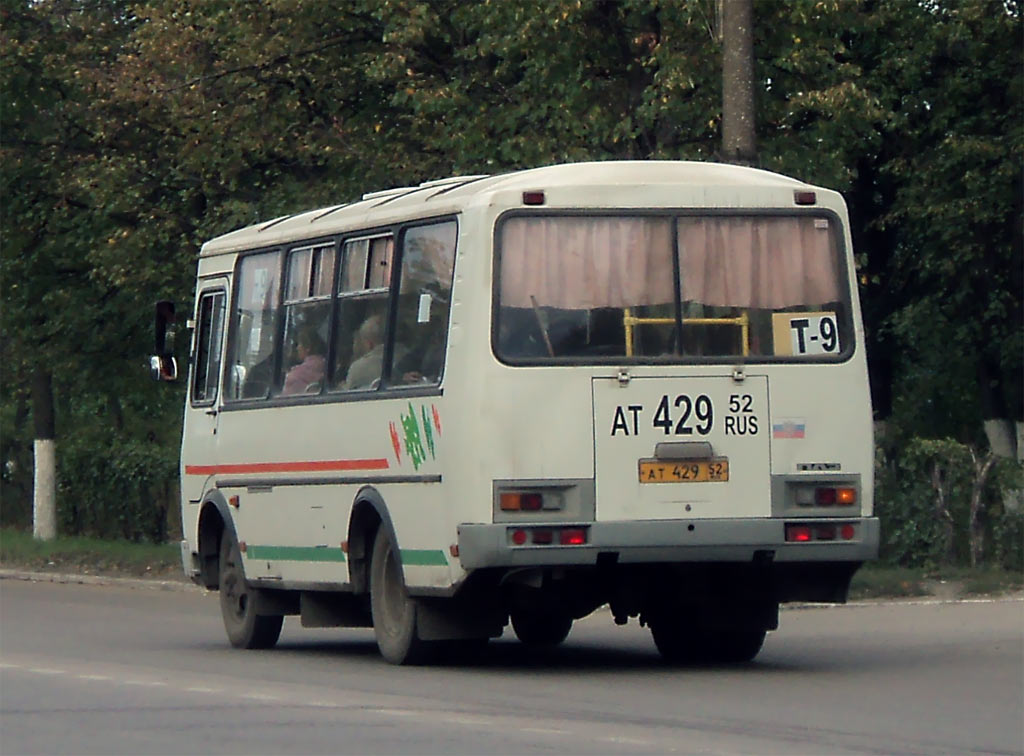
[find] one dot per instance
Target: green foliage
(134, 131)
(878, 581)
(912, 534)
(112, 488)
(75, 554)
(923, 490)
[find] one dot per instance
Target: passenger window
(307, 315)
(424, 300)
(209, 330)
(251, 353)
(362, 313)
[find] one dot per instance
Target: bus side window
(424, 301)
(307, 309)
(251, 353)
(210, 328)
(362, 313)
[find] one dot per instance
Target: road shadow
(510, 657)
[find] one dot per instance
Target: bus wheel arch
(214, 519)
(369, 514)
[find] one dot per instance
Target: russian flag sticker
(789, 428)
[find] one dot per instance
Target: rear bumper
(667, 541)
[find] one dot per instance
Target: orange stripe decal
(328, 465)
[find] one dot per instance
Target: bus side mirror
(162, 365)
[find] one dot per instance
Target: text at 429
(686, 415)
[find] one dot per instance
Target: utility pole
(739, 143)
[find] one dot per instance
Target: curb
(79, 579)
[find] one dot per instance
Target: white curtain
(760, 262)
(587, 262)
(728, 261)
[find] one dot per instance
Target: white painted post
(44, 493)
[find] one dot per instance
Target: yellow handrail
(629, 321)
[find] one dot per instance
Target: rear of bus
(677, 419)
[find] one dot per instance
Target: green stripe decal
(295, 553)
(424, 558)
(411, 557)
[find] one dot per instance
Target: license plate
(684, 471)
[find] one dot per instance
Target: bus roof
(449, 195)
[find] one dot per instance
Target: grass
(882, 581)
(19, 550)
(877, 581)
(93, 556)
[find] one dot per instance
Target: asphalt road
(107, 669)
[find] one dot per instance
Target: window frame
(328, 393)
(232, 340)
(845, 317)
(204, 294)
(277, 384)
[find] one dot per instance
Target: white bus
(523, 397)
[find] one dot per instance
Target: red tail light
(803, 532)
(825, 533)
(799, 533)
(824, 497)
(543, 537)
(573, 536)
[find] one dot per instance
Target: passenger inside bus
(306, 376)
(368, 350)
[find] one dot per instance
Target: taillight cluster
(553, 536)
(804, 532)
(518, 501)
(826, 496)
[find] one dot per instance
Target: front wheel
(238, 599)
(394, 612)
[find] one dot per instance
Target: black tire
(238, 599)
(541, 628)
(735, 646)
(675, 638)
(394, 612)
(681, 641)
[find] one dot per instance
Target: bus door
(199, 449)
(681, 447)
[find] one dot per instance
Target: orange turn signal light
(520, 502)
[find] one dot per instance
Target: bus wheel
(735, 646)
(244, 627)
(676, 639)
(394, 612)
(541, 628)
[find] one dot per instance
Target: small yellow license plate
(684, 471)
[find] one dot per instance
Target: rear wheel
(681, 639)
(541, 628)
(245, 628)
(394, 612)
(735, 646)
(675, 638)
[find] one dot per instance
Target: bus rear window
(582, 288)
